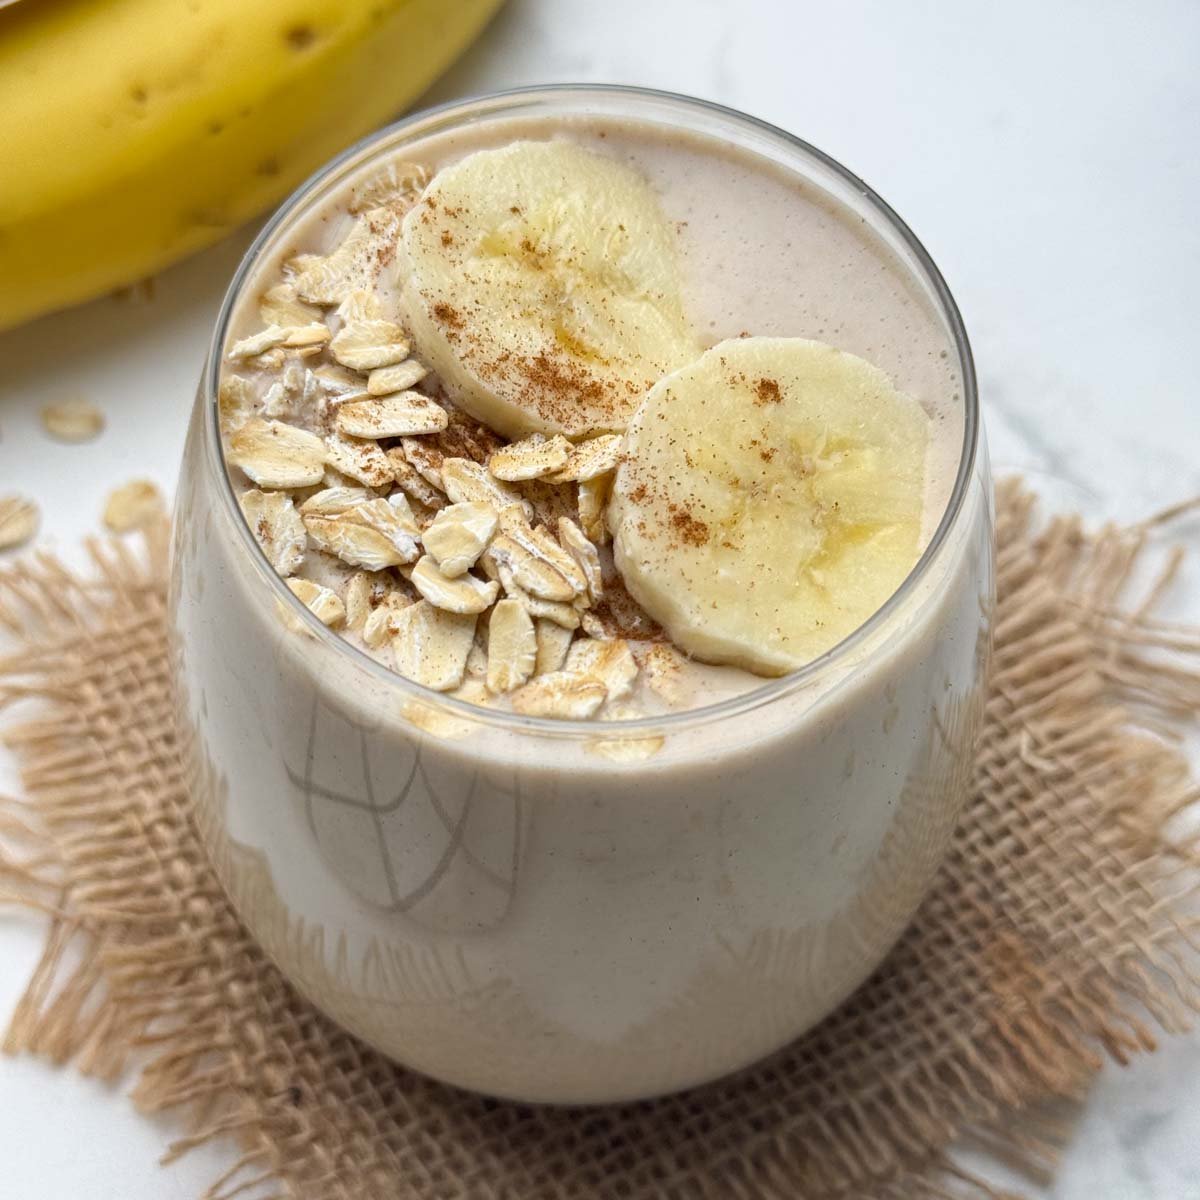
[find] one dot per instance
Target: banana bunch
(133, 132)
(770, 491)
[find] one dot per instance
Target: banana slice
(769, 500)
(544, 289)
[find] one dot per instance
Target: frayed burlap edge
(1082, 727)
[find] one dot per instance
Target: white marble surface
(1046, 154)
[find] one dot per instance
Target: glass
(568, 911)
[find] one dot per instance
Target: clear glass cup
(564, 911)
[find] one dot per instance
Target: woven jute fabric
(1061, 929)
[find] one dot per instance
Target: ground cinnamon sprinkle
(560, 385)
(690, 529)
(620, 616)
(560, 381)
(767, 391)
(387, 248)
(448, 314)
(464, 437)
(550, 501)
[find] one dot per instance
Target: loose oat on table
(18, 521)
(134, 505)
(73, 420)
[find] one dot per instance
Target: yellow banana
(769, 500)
(133, 132)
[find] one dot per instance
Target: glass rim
(770, 690)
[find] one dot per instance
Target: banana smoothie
(610, 732)
(430, 392)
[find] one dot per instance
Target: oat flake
(512, 647)
(134, 505)
(322, 602)
(73, 420)
(18, 521)
(559, 694)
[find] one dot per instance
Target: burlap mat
(1061, 929)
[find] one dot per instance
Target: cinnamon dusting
(766, 391)
(464, 437)
(448, 315)
(690, 529)
(618, 614)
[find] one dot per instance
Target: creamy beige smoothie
(476, 763)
